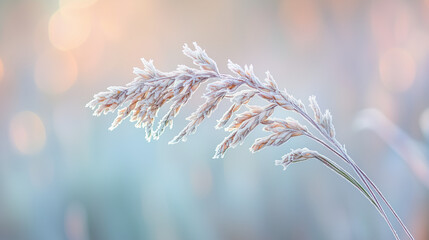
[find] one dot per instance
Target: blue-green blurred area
(63, 175)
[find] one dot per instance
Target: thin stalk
(378, 205)
(387, 203)
(357, 170)
(361, 172)
(336, 168)
(349, 161)
(377, 190)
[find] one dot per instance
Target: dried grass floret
(297, 155)
(282, 131)
(142, 98)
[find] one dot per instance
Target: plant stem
(338, 150)
(348, 160)
(336, 168)
(377, 205)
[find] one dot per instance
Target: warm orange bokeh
(55, 71)
(27, 132)
(76, 4)
(69, 28)
(397, 69)
(302, 20)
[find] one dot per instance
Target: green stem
(340, 171)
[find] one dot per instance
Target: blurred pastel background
(63, 175)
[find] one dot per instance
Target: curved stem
(378, 205)
(349, 161)
(361, 172)
(338, 150)
(336, 168)
(387, 203)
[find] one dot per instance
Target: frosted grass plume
(151, 89)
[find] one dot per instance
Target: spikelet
(297, 155)
(216, 91)
(282, 130)
(238, 99)
(246, 74)
(324, 120)
(270, 82)
(152, 89)
(203, 112)
(200, 58)
(243, 124)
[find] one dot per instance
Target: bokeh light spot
(111, 22)
(76, 4)
(115, 18)
(55, 71)
(391, 23)
(302, 21)
(27, 132)
(69, 28)
(75, 222)
(397, 69)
